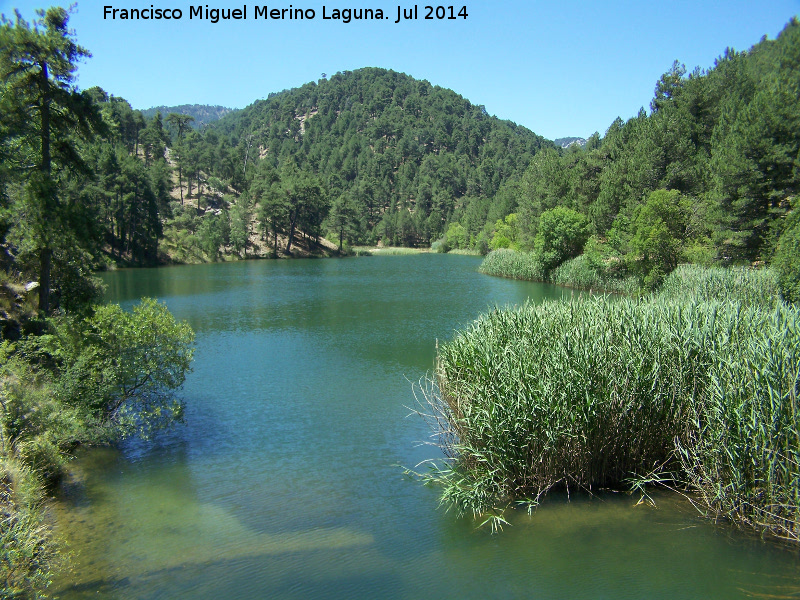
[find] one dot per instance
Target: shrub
(456, 236)
(562, 233)
(506, 233)
(658, 233)
(787, 259)
(439, 246)
(118, 368)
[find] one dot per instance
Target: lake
(287, 478)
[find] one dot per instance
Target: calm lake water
(286, 479)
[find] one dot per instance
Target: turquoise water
(286, 480)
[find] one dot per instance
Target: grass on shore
(505, 262)
(465, 252)
(29, 554)
(388, 250)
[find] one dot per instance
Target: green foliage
(581, 273)
(192, 115)
(44, 116)
(505, 262)
(392, 143)
(689, 393)
(658, 233)
(217, 184)
(439, 246)
(562, 233)
(390, 251)
(465, 252)
(215, 231)
(29, 552)
(787, 259)
(343, 219)
(239, 227)
(745, 285)
(506, 233)
(118, 369)
(456, 236)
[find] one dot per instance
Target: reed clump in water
(579, 273)
(505, 262)
(596, 393)
(746, 284)
(749, 286)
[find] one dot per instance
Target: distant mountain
(566, 142)
(203, 114)
(406, 152)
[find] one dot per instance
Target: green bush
(439, 246)
(506, 233)
(658, 235)
(456, 236)
(562, 233)
(116, 368)
(787, 259)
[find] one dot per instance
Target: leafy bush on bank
(85, 380)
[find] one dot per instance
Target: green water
(284, 481)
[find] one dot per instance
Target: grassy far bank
(695, 388)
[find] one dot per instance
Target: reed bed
(749, 286)
(28, 547)
(505, 262)
(396, 251)
(578, 273)
(463, 251)
(595, 394)
(575, 273)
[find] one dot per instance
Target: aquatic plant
(594, 393)
(580, 274)
(505, 262)
(396, 251)
(28, 548)
(744, 284)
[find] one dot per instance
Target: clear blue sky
(561, 68)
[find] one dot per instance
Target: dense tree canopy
(44, 117)
(708, 175)
(375, 155)
(407, 153)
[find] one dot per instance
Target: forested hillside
(708, 174)
(202, 114)
(399, 153)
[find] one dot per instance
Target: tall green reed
(744, 284)
(505, 262)
(596, 393)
